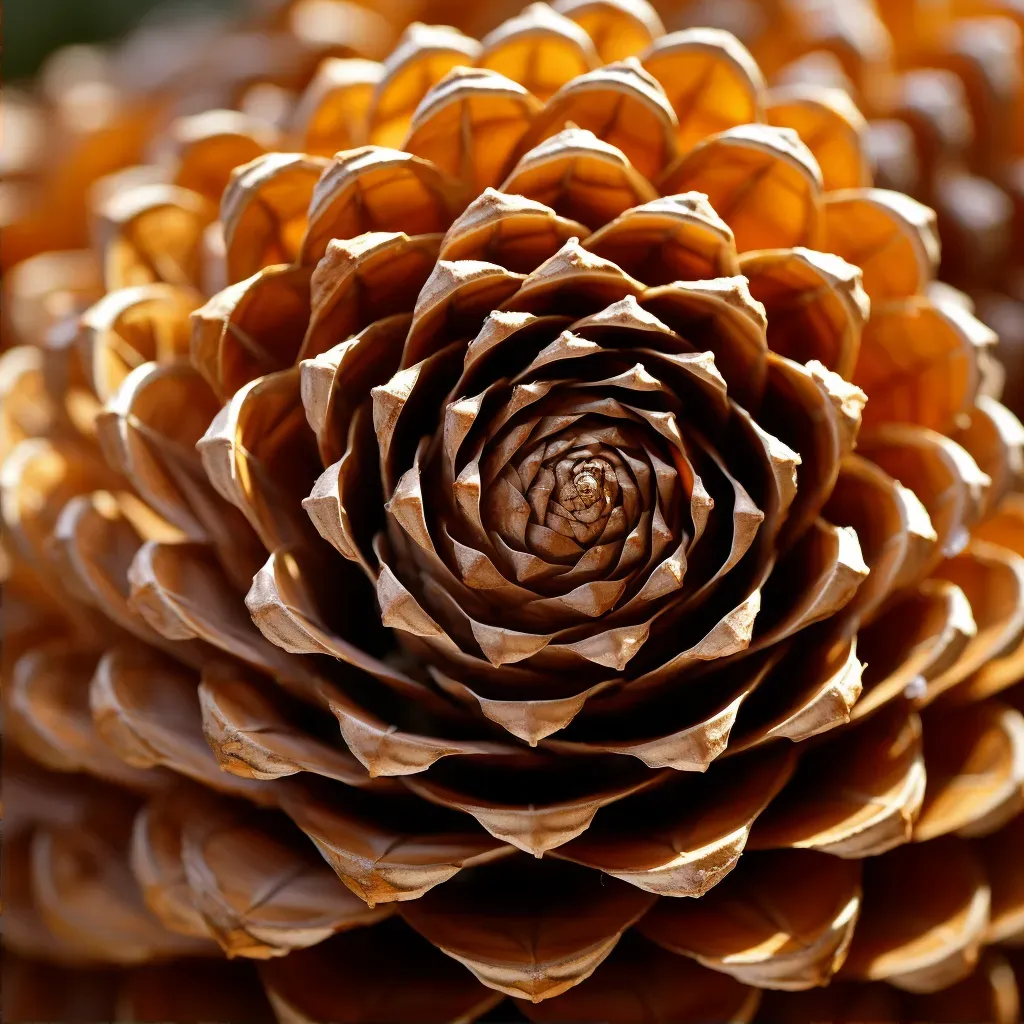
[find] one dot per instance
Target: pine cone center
(590, 491)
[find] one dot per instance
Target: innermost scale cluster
(587, 490)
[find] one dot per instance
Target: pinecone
(572, 567)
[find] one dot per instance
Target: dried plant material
(358, 282)
(690, 845)
(815, 305)
(427, 558)
(638, 978)
(541, 49)
(980, 51)
(256, 732)
(1001, 672)
(990, 993)
(999, 853)
(763, 182)
(145, 435)
(48, 709)
(151, 233)
(1006, 527)
(382, 973)
(148, 431)
(677, 238)
(94, 543)
(25, 932)
(990, 576)
(501, 927)
(782, 920)
(941, 345)
(994, 437)
(869, 501)
(335, 29)
(386, 751)
(831, 674)
(229, 990)
(832, 128)
(799, 400)
(85, 892)
(470, 123)
(925, 909)
(263, 211)
(181, 593)
(284, 898)
(528, 820)
(659, 732)
(130, 327)
(333, 113)
(252, 328)
(619, 28)
(580, 177)
(257, 451)
(711, 80)
(891, 237)
(390, 856)
(939, 626)
(157, 866)
(856, 797)
(40, 291)
(975, 771)
(205, 148)
(844, 1002)
(423, 56)
(943, 477)
(376, 189)
(27, 410)
(508, 230)
(146, 709)
(623, 106)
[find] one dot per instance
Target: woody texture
(517, 530)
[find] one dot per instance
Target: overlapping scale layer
(940, 89)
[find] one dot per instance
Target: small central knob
(585, 494)
(576, 493)
(586, 487)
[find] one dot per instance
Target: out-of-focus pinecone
(571, 567)
(96, 111)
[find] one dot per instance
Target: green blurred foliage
(32, 29)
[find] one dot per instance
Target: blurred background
(35, 28)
